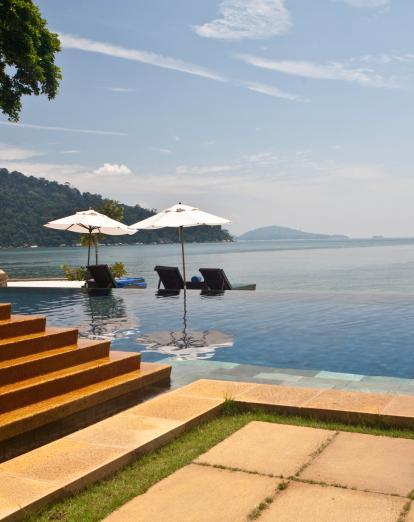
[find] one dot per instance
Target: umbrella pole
(89, 247)
(96, 251)
(182, 254)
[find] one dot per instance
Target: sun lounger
(170, 277)
(103, 279)
(216, 279)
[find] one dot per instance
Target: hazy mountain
(274, 232)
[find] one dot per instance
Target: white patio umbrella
(91, 222)
(180, 216)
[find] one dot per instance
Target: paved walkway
(286, 473)
(66, 465)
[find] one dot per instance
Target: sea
(354, 265)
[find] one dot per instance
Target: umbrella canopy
(91, 222)
(180, 216)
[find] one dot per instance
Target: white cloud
(11, 153)
(203, 169)
(331, 71)
(247, 19)
(112, 169)
(53, 171)
(270, 90)
(62, 129)
(360, 172)
(84, 44)
(365, 3)
(120, 89)
(70, 151)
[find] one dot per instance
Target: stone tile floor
(286, 474)
(68, 464)
(184, 372)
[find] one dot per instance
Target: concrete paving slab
(308, 502)
(401, 406)
(17, 493)
(62, 461)
(274, 449)
(278, 395)
(198, 494)
(349, 401)
(366, 462)
(175, 406)
(127, 431)
(216, 389)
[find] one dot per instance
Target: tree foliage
(27, 203)
(110, 208)
(27, 54)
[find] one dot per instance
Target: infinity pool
(348, 333)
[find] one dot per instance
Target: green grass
(98, 500)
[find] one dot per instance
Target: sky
(295, 113)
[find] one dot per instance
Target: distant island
(27, 203)
(273, 232)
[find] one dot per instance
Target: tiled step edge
(53, 384)
(52, 360)
(5, 311)
(25, 345)
(19, 325)
(27, 418)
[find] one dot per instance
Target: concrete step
(5, 311)
(45, 411)
(25, 345)
(18, 325)
(23, 368)
(41, 387)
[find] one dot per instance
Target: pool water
(370, 334)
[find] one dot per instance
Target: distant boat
(34, 246)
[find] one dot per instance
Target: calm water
(337, 306)
(334, 266)
(365, 334)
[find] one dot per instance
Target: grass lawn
(98, 500)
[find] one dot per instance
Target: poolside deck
(72, 462)
(44, 283)
(284, 473)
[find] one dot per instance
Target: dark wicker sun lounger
(170, 277)
(102, 277)
(216, 279)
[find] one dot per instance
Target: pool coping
(67, 465)
(186, 371)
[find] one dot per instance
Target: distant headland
(274, 232)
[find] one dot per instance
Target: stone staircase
(48, 374)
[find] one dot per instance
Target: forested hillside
(27, 203)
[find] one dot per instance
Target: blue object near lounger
(132, 282)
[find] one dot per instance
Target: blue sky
(290, 112)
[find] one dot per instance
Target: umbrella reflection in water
(186, 344)
(106, 317)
